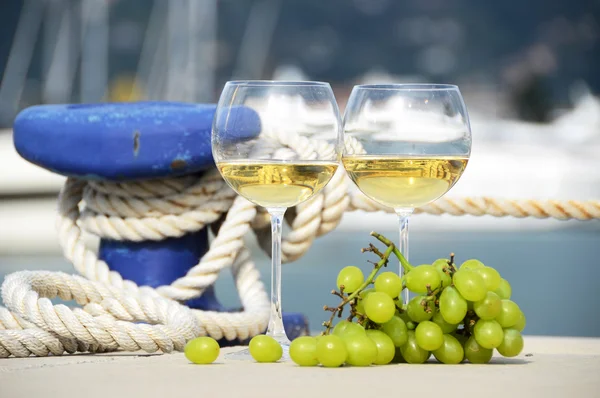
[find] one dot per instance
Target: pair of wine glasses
(279, 143)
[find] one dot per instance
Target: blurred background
(529, 72)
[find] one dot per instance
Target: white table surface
(547, 367)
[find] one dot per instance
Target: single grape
(504, 291)
(360, 305)
(385, 346)
(265, 348)
(471, 264)
(512, 344)
(362, 351)
(441, 322)
(389, 283)
(351, 278)
(410, 325)
(451, 352)
(417, 312)
(348, 329)
(404, 314)
(489, 307)
(429, 336)
(469, 284)
(491, 277)
(331, 351)
(379, 307)
(421, 276)
(202, 350)
(520, 325)
(509, 314)
(440, 265)
(489, 334)
(303, 351)
(411, 352)
(476, 353)
(453, 306)
(340, 326)
(396, 329)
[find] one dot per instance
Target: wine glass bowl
(290, 160)
(414, 143)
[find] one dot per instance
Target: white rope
(155, 210)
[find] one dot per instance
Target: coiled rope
(118, 314)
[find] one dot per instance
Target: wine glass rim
(408, 87)
(260, 83)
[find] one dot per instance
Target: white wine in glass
(292, 158)
(404, 182)
(274, 184)
(415, 143)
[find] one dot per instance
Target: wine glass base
(244, 354)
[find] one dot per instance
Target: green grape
(351, 277)
(411, 352)
(303, 351)
(417, 312)
(509, 314)
(471, 264)
(379, 307)
(362, 351)
(410, 325)
(389, 283)
(469, 284)
(440, 263)
(491, 277)
(360, 305)
(512, 344)
(345, 328)
(504, 291)
(451, 352)
(520, 325)
(476, 353)
(488, 334)
(404, 314)
(396, 329)
(419, 277)
(489, 307)
(453, 306)
(202, 350)
(439, 320)
(265, 348)
(445, 279)
(429, 336)
(385, 346)
(331, 351)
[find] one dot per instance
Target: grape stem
(349, 299)
(403, 261)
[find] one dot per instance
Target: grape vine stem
(384, 258)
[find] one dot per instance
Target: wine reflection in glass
(414, 144)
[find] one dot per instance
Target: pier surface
(547, 367)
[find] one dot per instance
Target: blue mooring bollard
(122, 142)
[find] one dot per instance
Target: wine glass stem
(403, 216)
(275, 328)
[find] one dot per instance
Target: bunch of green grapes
(456, 315)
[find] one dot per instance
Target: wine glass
(289, 159)
(414, 143)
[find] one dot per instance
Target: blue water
(554, 274)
